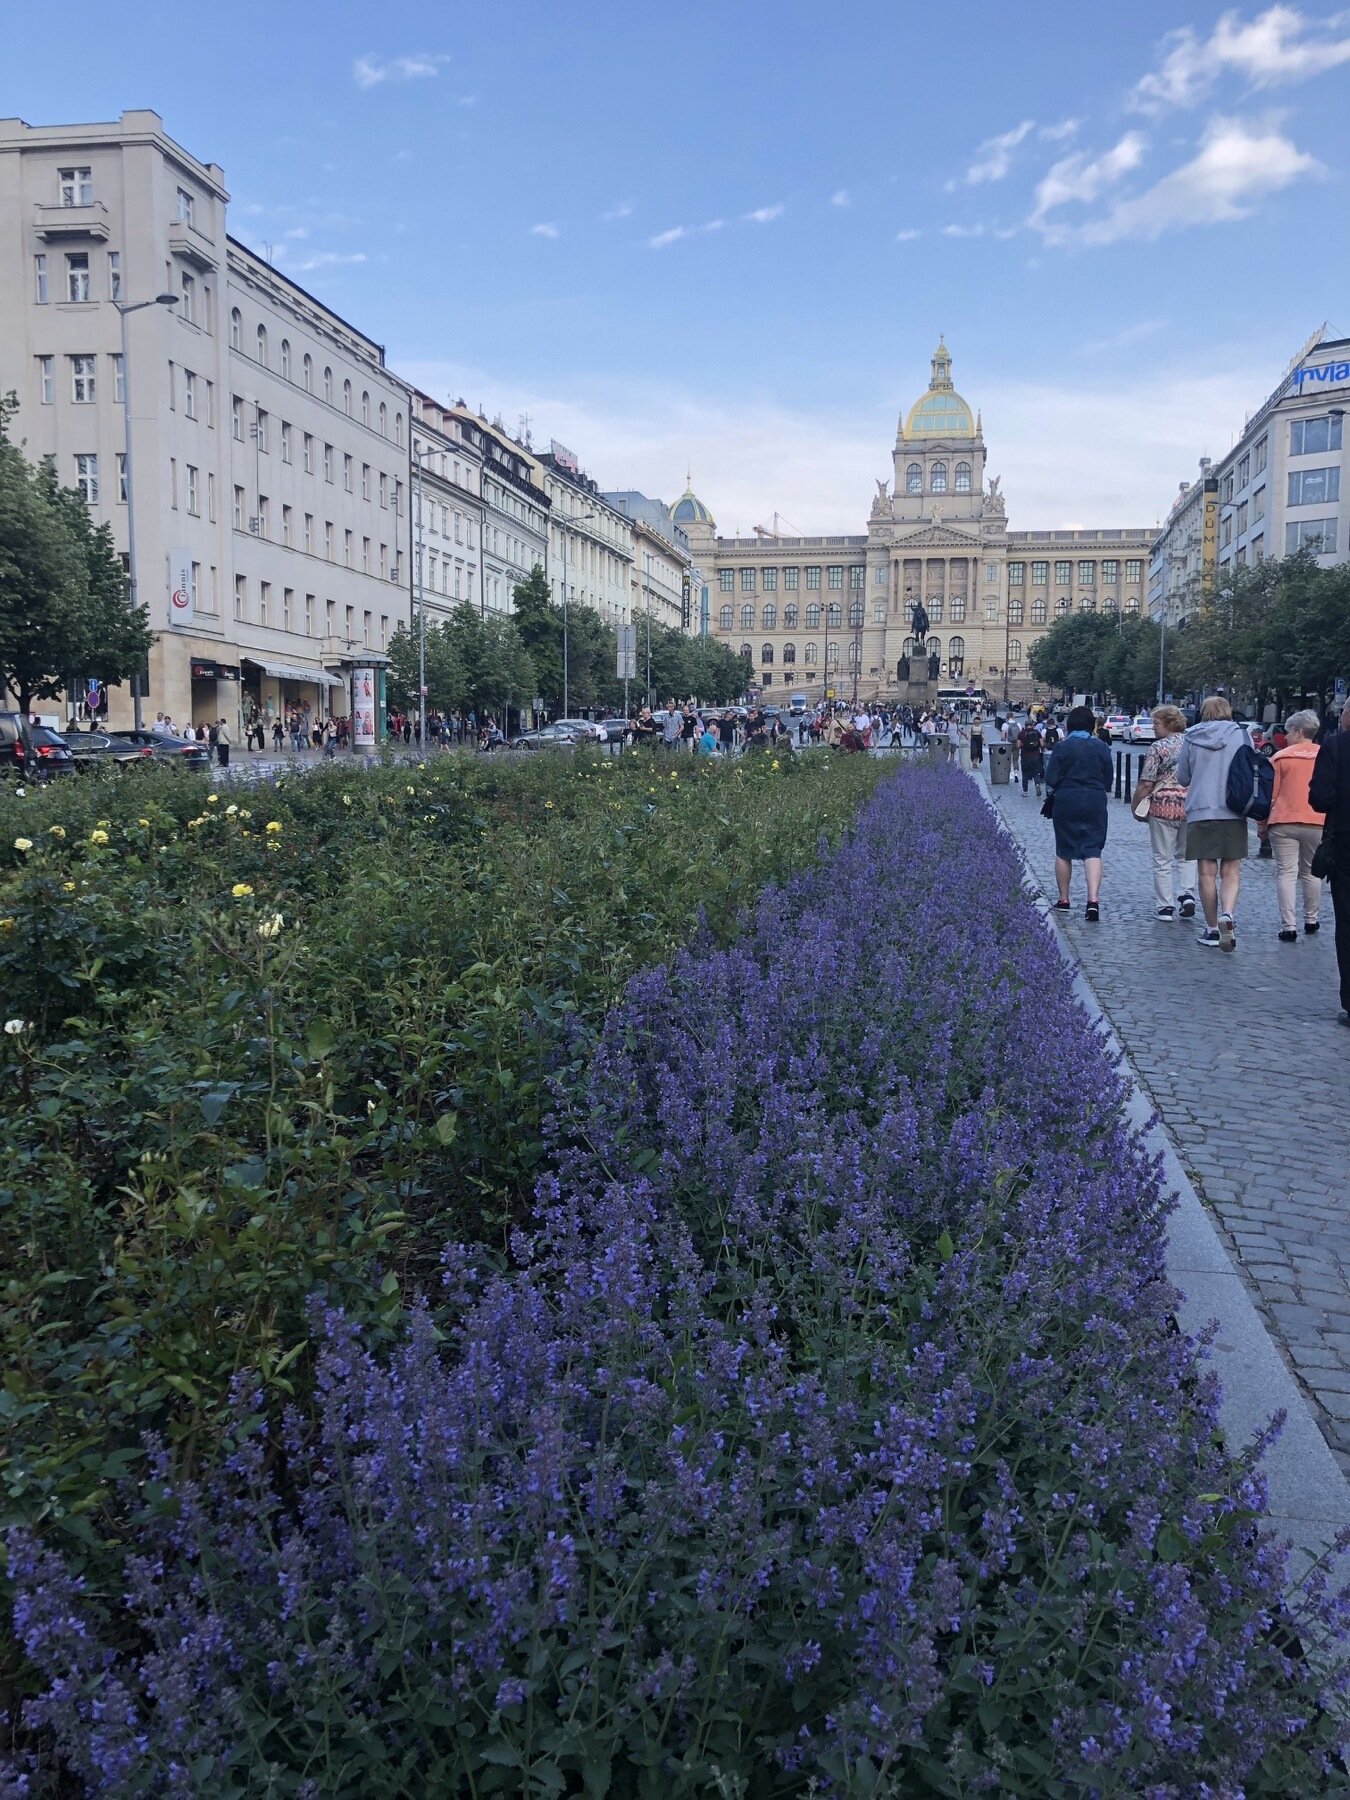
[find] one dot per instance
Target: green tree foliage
(64, 606)
(1277, 630)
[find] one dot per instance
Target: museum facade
(833, 616)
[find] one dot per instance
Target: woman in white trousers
(1173, 876)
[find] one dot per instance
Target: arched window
(768, 616)
(328, 385)
(1063, 606)
(811, 650)
(963, 478)
(1086, 603)
(347, 398)
(748, 617)
(1014, 653)
(789, 653)
(286, 358)
(747, 653)
(813, 615)
(262, 345)
(855, 613)
(1131, 606)
(398, 427)
(956, 653)
(853, 654)
(384, 420)
(790, 615)
(1108, 603)
(832, 656)
(236, 329)
(1038, 610)
(308, 371)
(365, 407)
(724, 618)
(914, 479)
(934, 646)
(911, 647)
(937, 479)
(834, 616)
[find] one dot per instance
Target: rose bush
(828, 1432)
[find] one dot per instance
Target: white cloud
(762, 215)
(1059, 134)
(993, 159)
(1080, 178)
(963, 231)
(544, 231)
(370, 71)
(1279, 45)
(840, 197)
(908, 236)
(296, 231)
(323, 259)
(662, 238)
(1121, 340)
(1235, 167)
(623, 210)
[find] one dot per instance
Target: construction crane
(773, 532)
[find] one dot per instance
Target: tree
(498, 671)
(445, 671)
(539, 624)
(64, 605)
(1067, 656)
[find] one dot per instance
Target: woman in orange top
(1293, 827)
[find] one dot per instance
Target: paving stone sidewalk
(1249, 1068)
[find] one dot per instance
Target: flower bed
(831, 1428)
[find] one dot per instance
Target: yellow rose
(270, 927)
(241, 890)
(774, 763)
(144, 822)
(57, 831)
(6, 924)
(230, 811)
(23, 843)
(98, 837)
(273, 826)
(67, 887)
(211, 799)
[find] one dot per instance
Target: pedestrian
(689, 729)
(330, 735)
(1329, 792)
(1031, 756)
(953, 741)
(223, 744)
(1293, 828)
(977, 740)
(708, 739)
(671, 727)
(1012, 737)
(644, 728)
(1160, 799)
(278, 732)
(1215, 837)
(1078, 781)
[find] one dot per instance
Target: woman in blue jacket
(1078, 780)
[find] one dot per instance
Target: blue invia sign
(1323, 372)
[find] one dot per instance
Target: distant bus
(953, 695)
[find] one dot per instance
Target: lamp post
(647, 596)
(584, 519)
(123, 314)
(421, 611)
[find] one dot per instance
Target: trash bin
(936, 749)
(1000, 763)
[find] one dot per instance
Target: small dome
(690, 510)
(942, 413)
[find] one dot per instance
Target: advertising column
(363, 708)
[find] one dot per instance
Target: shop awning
(293, 672)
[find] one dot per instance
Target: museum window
(747, 617)
(766, 655)
(789, 653)
(935, 608)
(1086, 603)
(1132, 607)
(1063, 573)
(963, 478)
(813, 578)
(813, 616)
(857, 576)
(832, 656)
(855, 615)
(747, 581)
(1038, 610)
(812, 651)
(1014, 653)
(1087, 574)
(1110, 571)
(1063, 606)
(991, 609)
(836, 575)
(914, 479)
(724, 618)
(768, 616)
(1017, 574)
(879, 575)
(834, 616)
(958, 609)
(790, 616)
(790, 579)
(769, 580)
(956, 652)
(878, 612)
(854, 658)
(747, 653)
(937, 480)
(726, 579)
(1040, 574)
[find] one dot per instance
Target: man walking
(1031, 757)
(223, 744)
(1329, 793)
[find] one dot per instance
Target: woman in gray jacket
(1215, 837)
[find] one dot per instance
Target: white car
(1142, 732)
(1119, 725)
(585, 730)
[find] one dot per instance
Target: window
(958, 609)
(398, 427)
(239, 509)
(747, 581)
(1086, 603)
(914, 479)
(747, 617)
(855, 615)
(1313, 487)
(878, 612)
(365, 560)
(935, 608)
(210, 496)
(193, 504)
(1244, 471)
(857, 577)
(365, 413)
(309, 534)
(114, 274)
(236, 419)
(46, 375)
(285, 442)
(189, 393)
(236, 329)
(185, 202)
(747, 652)
(384, 420)
(790, 616)
(1016, 611)
(1014, 653)
(188, 309)
(937, 479)
(813, 616)
(1242, 517)
(307, 372)
(210, 405)
(813, 578)
(77, 187)
(1226, 489)
(991, 571)
(769, 616)
(1258, 547)
(1087, 574)
(1063, 606)
(879, 575)
(1132, 608)
(1307, 437)
(836, 575)
(832, 656)
(789, 653)
(991, 609)
(1038, 610)
(328, 386)
(122, 477)
(811, 650)
(834, 616)
(82, 380)
(769, 580)
(240, 597)
(365, 488)
(1063, 573)
(328, 462)
(40, 279)
(347, 473)
(1017, 574)
(956, 651)
(1110, 570)
(77, 276)
(1259, 456)
(173, 389)
(347, 548)
(1226, 531)
(724, 618)
(86, 479)
(790, 579)
(963, 478)
(262, 345)
(1134, 568)
(287, 534)
(766, 655)
(1317, 535)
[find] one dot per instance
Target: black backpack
(1251, 784)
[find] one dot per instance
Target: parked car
(1142, 732)
(1119, 725)
(547, 737)
(615, 730)
(586, 730)
(184, 753)
(104, 749)
(49, 753)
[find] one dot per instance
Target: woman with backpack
(1216, 836)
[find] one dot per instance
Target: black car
(50, 752)
(32, 751)
(184, 753)
(104, 750)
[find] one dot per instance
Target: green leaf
(946, 1248)
(319, 1039)
(446, 1128)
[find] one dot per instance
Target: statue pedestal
(921, 695)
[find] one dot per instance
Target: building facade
(833, 615)
(514, 529)
(447, 504)
(666, 584)
(590, 542)
(268, 441)
(1184, 553)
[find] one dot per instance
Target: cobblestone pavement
(1249, 1069)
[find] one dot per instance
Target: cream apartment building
(590, 546)
(832, 614)
(269, 442)
(447, 504)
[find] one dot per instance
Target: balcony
(193, 246)
(53, 223)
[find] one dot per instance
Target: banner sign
(363, 706)
(182, 599)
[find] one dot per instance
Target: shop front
(299, 697)
(214, 692)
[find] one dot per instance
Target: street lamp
(583, 519)
(123, 313)
(426, 450)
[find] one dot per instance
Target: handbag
(1142, 807)
(1048, 807)
(1323, 863)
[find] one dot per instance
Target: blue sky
(728, 235)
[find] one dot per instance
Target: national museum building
(833, 614)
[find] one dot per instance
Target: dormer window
(77, 187)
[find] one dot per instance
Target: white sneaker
(1227, 932)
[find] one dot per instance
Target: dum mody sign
(1324, 374)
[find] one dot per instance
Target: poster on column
(363, 706)
(182, 600)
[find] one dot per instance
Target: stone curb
(1309, 1497)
